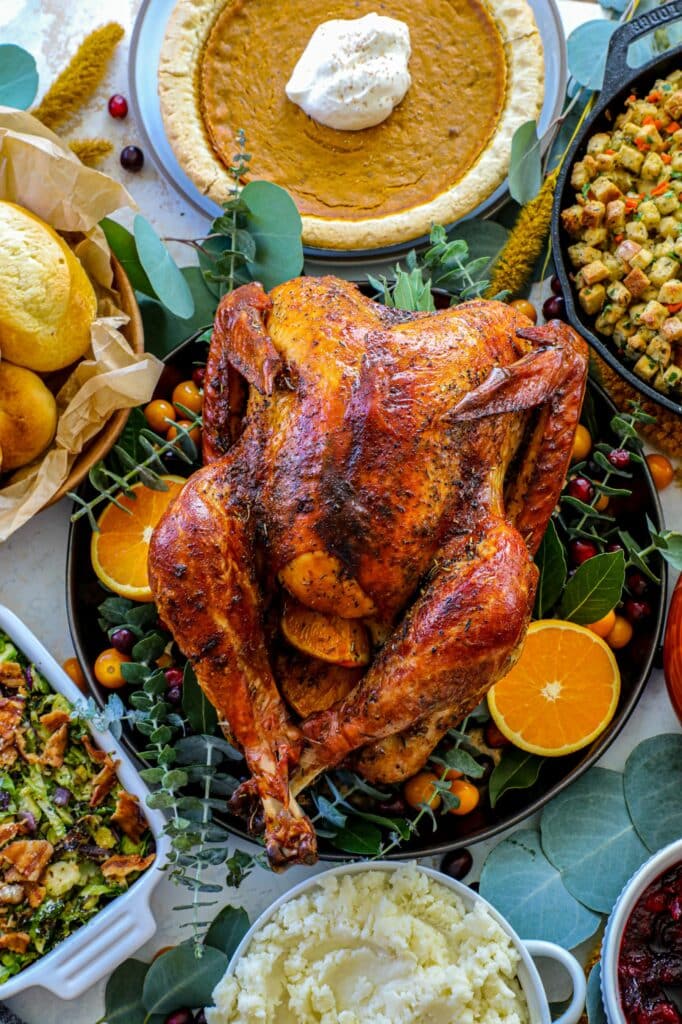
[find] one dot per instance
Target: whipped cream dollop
(353, 72)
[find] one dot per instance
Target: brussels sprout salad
(71, 838)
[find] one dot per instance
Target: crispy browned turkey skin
(376, 481)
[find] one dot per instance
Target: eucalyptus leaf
(594, 1005)
(122, 244)
(163, 331)
(586, 47)
(551, 562)
(589, 837)
(180, 978)
(191, 749)
(123, 995)
(359, 837)
(653, 782)
(275, 226)
(515, 770)
(18, 77)
(168, 283)
(595, 588)
(669, 543)
(201, 714)
(484, 238)
(462, 762)
(227, 930)
(521, 883)
(525, 168)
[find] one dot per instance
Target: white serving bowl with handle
(528, 975)
(123, 925)
(652, 869)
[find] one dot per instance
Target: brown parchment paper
(39, 171)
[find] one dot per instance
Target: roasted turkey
(353, 567)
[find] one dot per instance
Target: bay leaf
(595, 588)
(227, 930)
(551, 562)
(201, 714)
(180, 978)
(515, 770)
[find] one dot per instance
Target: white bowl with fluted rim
(652, 869)
(123, 925)
(528, 975)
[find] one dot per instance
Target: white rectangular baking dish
(127, 922)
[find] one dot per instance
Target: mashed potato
(377, 947)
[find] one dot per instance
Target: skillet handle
(617, 56)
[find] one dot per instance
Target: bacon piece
(12, 675)
(53, 719)
(28, 756)
(11, 711)
(35, 894)
(118, 868)
(55, 748)
(10, 829)
(129, 817)
(102, 784)
(28, 857)
(94, 753)
(16, 942)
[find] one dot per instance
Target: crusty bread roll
(47, 302)
(28, 416)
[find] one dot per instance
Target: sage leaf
(274, 223)
(589, 837)
(516, 770)
(525, 168)
(652, 782)
(586, 47)
(122, 244)
(180, 978)
(595, 588)
(150, 647)
(551, 562)
(594, 1005)
(18, 77)
(201, 714)
(521, 883)
(359, 837)
(228, 929)
(123, 995)
(168, 283)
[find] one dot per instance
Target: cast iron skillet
(85, 593)
(619, 81)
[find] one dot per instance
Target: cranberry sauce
(650, 957)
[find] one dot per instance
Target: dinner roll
(47, 303)
(28, 416)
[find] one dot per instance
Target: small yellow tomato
(467, 794)
(75, 673)
(420, 789)
(661, 470)
(194, 433)
(582, 444)
(157, 413)
(526, 308)
(602, 503)
(602, 627)
(188, 395)
(108, 668)
(620, 635)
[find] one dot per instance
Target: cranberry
(173, 678)
(581, 550)
(123, 640)
(619, 458)
(554, 308)
(198, 374)
(580, 487)
(174, 695)
(636, 611)
(457, 864)
(474, 886)
(180, 1017)
(494, 738)
(555, 285)
(613, 547)
(118, 106)
(638, 584)
(132, 159)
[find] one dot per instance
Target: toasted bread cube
(627, 249)
(598, 237)
(636, 345)
(671, 329)
(593, 214)
(649, 214)
(662, 270)
(582, 173)
(653, 315)
(646, 367)
(592, 298)
(622, 179)
(670, 293)
(637, 232)
(615, 216)
(595, 272)
(659, 349)
(652, 168)
(677, 244)
(672, 379)
(673, 105)
(598, 143)
(581, 254)
(572, 219)
(603, 326)
(616, 268)
(668, 227)
(667, 203)
(604, 190)
(623, 330)
(676, 163)
(630, 158)
(642, 259)
(610, 315)
(605, 162)
(618, 293)
(636, 282)
(650, 294)
(664, 248)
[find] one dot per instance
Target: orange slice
(562, 692)
(119, 549)
(327, 637)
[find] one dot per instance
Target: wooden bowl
(98, 446)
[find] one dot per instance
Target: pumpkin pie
(477, 74)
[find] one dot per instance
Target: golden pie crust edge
(178, 84)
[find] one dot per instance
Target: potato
(28, 416)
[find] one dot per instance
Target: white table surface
(32, 562)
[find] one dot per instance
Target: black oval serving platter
(85, 593)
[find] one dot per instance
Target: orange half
(562, 692)
(119, 549)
